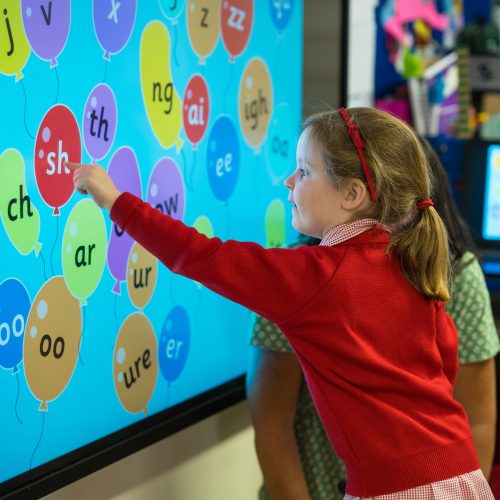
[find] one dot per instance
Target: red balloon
(58, 140)
(236, 25)
(196, 109)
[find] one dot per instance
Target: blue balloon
(171, 8)
(281, 12)
(15, 306)
(173, 348)
(223, 158)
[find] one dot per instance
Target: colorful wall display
(192, 105)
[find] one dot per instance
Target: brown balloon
(142, 272)
(52, 340)
(203, 20)
(255, 99)
(135, 363)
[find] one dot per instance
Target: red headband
(424, 204)
(358, 143)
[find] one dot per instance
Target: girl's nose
(289, 182)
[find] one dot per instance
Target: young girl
(363, 311)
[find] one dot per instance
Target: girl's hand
(93, 180)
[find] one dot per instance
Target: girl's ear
(354, 195)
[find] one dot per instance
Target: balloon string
(54, 246)
(229, 84)
(186, 176)
(25, 109)
(115, 312)
(43, 261)
(17, 399)
(81, 336)
(58, 84)
(228, 221)
(191, 172)
(167, 396)
(174, 48)
(197, 309)
(40, 440)
(105, 70)
(171, 289)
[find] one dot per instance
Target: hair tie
(422, 205)
(358, 143)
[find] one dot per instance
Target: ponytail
(422, 251)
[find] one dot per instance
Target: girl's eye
(302, 173)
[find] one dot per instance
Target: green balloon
(203, 225)
(84, 249)
(275, 224)
(19, 215)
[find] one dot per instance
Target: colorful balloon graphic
(47, 27)
(275, 224)
(281, 12)
(171, 8)
(255, 102)
(14, 309)
(99, 122)
(52, 340)
(124, 170)
(166, 190)
(236, 25)
(19, 215)
(196, 109)
(174, 343)
(113, 24)
(58, 140)
(223, 158)
(280, 143)
(135, 363)
(163, 105)
(84, 249)
(203, 22)
(15, 47)
(142, 272)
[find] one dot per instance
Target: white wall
(215, 459)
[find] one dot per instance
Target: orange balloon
(52, 340)
(135, 363)
(255, 102)
(203, 20)
(142, 272)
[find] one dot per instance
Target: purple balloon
(113, 23)
(47, 27)
(166, 190)
(99, 121)
(124, 170)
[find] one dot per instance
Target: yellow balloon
(255, 102)
(14, 46)
(162, 102)
(135, 363)
(142, 272)
(52, 340)
(203, 20)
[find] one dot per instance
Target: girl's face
(317, 201)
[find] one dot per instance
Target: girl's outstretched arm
(268, 281)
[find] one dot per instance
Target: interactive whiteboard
(192, 105)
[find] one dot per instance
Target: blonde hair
(401, 177)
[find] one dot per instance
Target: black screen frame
(474, 165)
(77, 464)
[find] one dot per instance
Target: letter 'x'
(114, 11)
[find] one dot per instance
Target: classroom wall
(215, 459)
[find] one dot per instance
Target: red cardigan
(380, 359)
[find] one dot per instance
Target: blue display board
(491, 215)
(194, 106)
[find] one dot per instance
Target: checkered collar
(349, 230)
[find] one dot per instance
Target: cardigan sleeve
(275, 283)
